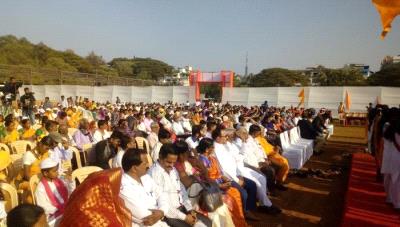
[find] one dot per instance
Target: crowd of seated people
(168, 155)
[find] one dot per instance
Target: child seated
(52, 193)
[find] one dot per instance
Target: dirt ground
(314, 201)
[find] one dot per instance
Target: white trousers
(261, 183)
(392, 189)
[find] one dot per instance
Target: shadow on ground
(314, 201)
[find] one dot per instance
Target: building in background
(364, 69)
(179, 77)
(396, 59)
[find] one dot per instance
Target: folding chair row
(296, 149)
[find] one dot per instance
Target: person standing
(28, 101)
(11, 88)
(391, 162)
(63, 102)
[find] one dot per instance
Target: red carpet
(365, 199)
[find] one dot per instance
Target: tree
(147, 68)
(60, 64)
(95, 60)
(339, 77)
(141, 68)
(274, 77)
(388, 60)
(41, 53)
(387, 76)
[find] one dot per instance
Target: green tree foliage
(278, 77)
(95, 60)
(14, 51)
(213, 91)
(142, 68)
(339, 77)
(387, 76)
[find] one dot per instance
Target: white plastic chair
(20, 146)
(77, 157)
(4, 147)
(81, 173)
(33, 183)
(308, 144)
(293, 155)
(297, 146)
(12, 198)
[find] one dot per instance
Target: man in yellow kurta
(275, 158)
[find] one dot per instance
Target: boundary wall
(150, 94)
(315, 97)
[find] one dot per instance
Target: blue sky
(209, 34)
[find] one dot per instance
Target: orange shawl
(96, 202)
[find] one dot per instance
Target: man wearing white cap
(52, 193)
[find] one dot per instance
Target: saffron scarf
(61, 189)
(96, 202)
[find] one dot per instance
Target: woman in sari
(27, 132)
(190, 178)
(206, 149)
(31, 161)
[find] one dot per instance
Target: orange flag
(301, 96)
(388, 9)
(347, 101)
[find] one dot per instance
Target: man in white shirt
(165, 122)
(153, 135)
(126, 143)
(236, 149)
(63, 102)
(230, 168)
(177, 126)
(193, 141)
(101, 132)
(181, 212)
(164, 136)
(187, 126)
(141, 194)
(256, 158)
